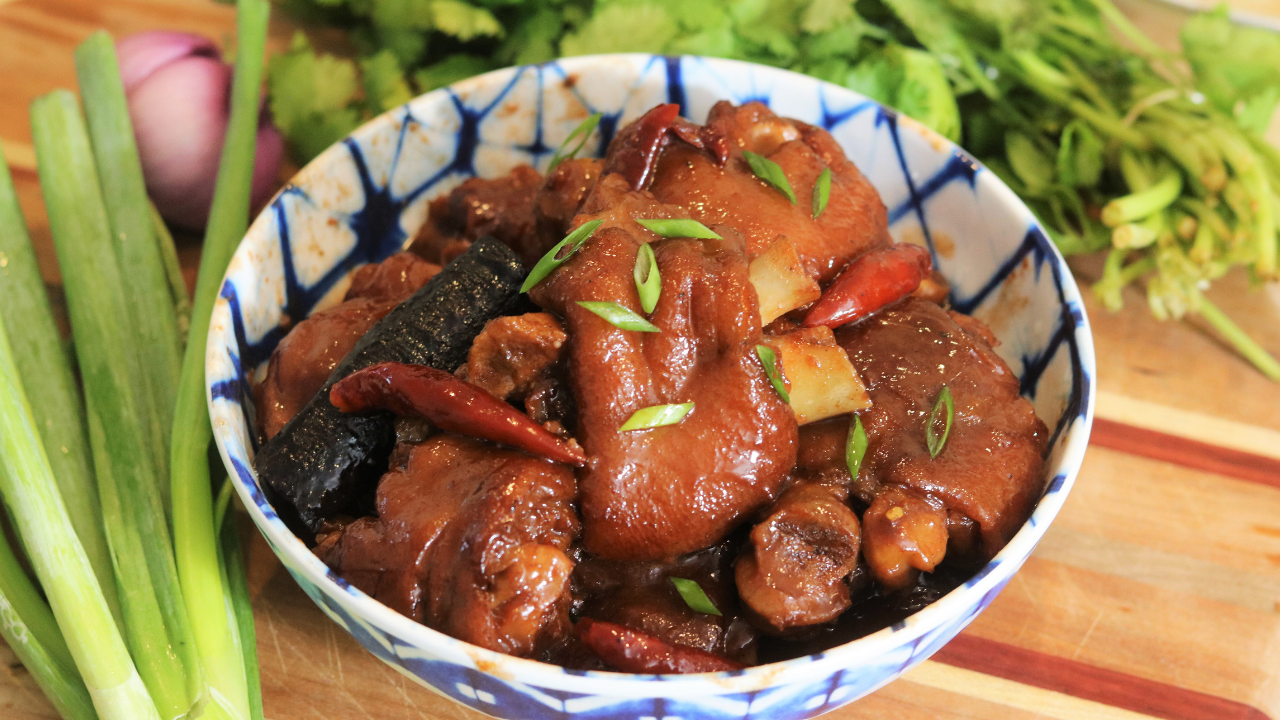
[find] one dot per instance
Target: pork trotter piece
(729, 193)
(905, 533)
(471, 540)
(990, 468)
(658, 493)
(512, 354)
(792, 571)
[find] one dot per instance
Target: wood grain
(1156, 594)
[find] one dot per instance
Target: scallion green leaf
(694, 596)
(619, 316)
(821, 192)
(656, 416)
(769, 359)
(682, 227)
(568, 149)
(554, 258)
(933, 438)
(855, 447)
(648, 279)
(770, 172)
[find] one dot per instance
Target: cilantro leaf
(449, 71)
(384, 83)
(456, 18)
(622, 28)
(1236, 67)
(312, 97)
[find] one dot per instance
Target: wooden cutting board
(1156, 593)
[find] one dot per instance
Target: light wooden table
(1155, 594)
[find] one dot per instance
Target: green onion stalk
(173, 271)
(156, 351)
(223, 659)
(75, 598)
(137, 532)
(45, 369)
(28, 626)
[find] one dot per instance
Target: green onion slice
(648, 280)
(770, 172)
(694, 596)
(656, 416)
(619, 316)
(821, 192)
(855, 447)
(769, 360)
(679, 228)
(935, 440)
(580, 134)
(553, 259)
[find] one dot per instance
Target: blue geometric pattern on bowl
(361, 201)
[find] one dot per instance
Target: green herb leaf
(935, 440)
(769, 359)
(855, 447)
(694, 596)
(648, 280)
(656, 416)
(821, 192)
(553, 259)
(619, 316)
(770, 172)
(573, 144)
(678, 228)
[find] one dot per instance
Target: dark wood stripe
(22, 172)
(1188, 453)
(1088, 682)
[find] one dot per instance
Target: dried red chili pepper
(635, 651)
(636, 153)
(450, 404)
(873, 281)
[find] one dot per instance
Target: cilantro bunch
(1117, 145)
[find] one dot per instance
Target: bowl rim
(992, 575)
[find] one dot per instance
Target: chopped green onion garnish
(769, 359)
(679, 228)
(694, 596)
(770, 172)
(821, 192)
(618, 316)
(553, 258)
(648, 280)
(855, 447)
(580, 134)
(935, 440)
(656, 416)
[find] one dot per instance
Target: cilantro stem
(1139, 205)
(1245, 345)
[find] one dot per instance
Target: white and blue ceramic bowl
(365, 197)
